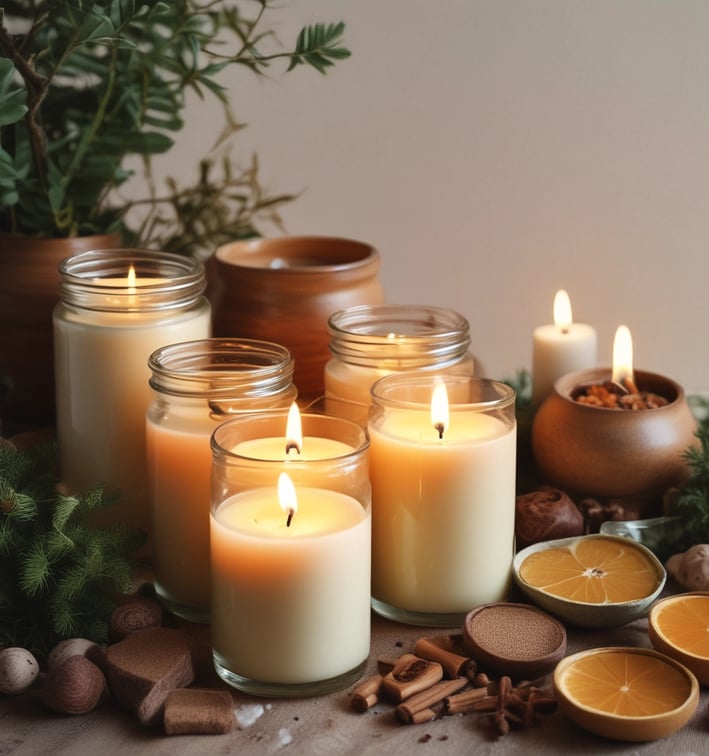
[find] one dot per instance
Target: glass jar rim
(414, 335)
(221, 367)
(94, 280)
(218, 441)
(487, 394)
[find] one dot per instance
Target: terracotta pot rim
(564, 386)
(348, 254)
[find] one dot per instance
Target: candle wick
(292, 445)
(289, 519)
(440, 428)
(565, 329)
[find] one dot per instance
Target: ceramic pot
(29, 290)
(284, 290)
(601, 452)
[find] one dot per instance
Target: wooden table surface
(328, 725)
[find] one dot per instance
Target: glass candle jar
(117, 307)
(290, 551)
(197, 385)
(443, 495)
(370, 341)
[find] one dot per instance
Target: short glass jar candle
(290, 553)
(442, 468)
(196, 386)
(117, 306)
(368, 342)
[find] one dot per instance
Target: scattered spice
(500, 705)
(611, 395)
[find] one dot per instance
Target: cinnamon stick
(427, 699)
(366, 694)
(454, 665)
(410, 675)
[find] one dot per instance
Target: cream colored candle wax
(105, 328)
(290, 603)
(443, 511)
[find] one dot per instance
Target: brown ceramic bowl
(597, 451)
(284, 290)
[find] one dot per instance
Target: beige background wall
(497, 150)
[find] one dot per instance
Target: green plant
(57, 574)
(86, 85)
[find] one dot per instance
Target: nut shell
(18, 670)
(76, 686)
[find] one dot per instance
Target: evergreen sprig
(689, 507)
(58, 574)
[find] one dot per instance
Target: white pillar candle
(561, 348)
(443, 499)
(105, 329)
(290, 604)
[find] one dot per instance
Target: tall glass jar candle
(197, 385)
(117, 306)
(442, 467)
(290, 546)
(368, 342)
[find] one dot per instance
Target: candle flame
(562, 311)
(294, 430)
(623, 357)
(287, 497)
(131, 280)
(439, 407)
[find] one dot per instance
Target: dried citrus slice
(626, 693)
(679, 627)
(593, 581)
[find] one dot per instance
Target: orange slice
(626, 693)
(595, 580)
(679, 627)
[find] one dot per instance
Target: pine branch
(57, 574)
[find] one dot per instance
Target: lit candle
(292, 446)
(105, 328)
(290, 602)
(561, 348)
(622, 372)
(443, 495)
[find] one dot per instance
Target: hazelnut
(76, 647)
(18, 670)
(76, 686)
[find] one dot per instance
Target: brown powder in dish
(514, 639)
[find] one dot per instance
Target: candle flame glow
(294, 430)
(439, 407)
(562, 311)
(287, 497)
(622, 356)
(131, 280)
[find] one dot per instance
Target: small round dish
(678, 626)
(591, 581)
(517, 640)
(631, 694)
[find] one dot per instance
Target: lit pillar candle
(443, 496)
(561, 348)
(291, 584)
(105, 328)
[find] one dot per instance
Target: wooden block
(145, 666)
(198, 711)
